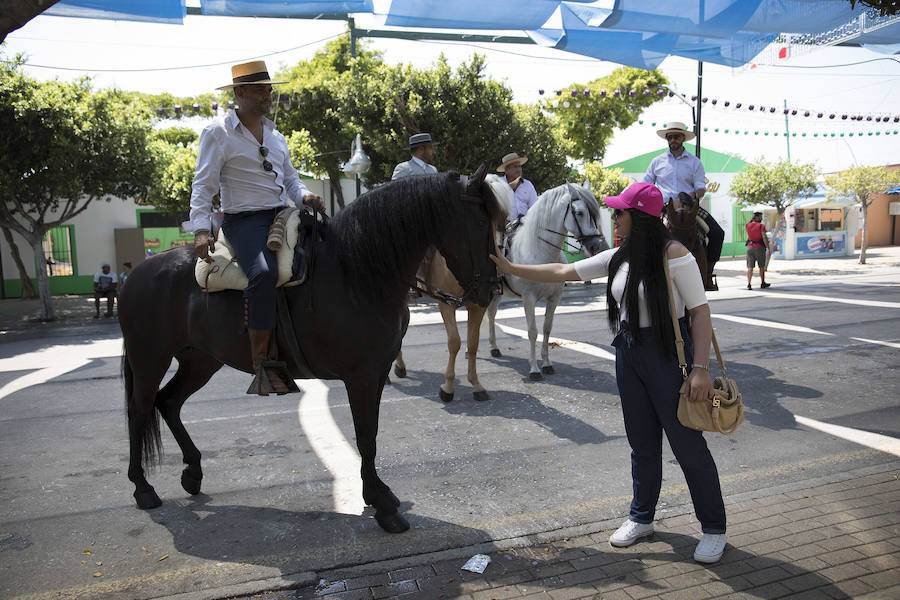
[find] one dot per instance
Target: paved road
(814, 356)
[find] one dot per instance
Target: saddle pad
(224, 273)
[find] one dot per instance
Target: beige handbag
(723, 411)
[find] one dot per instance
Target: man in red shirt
(757, 249)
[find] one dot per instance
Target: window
(59, 253)
(831, 219)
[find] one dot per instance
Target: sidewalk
(835, 537)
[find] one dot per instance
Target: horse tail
(150, 439)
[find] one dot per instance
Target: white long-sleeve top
(229, 161)
(687, 284)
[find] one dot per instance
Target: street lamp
(359, 162)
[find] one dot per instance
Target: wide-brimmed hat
(249, 73)
(509, 159)
(645, 197)
(420, 139)
(676, 127)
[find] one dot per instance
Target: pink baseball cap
(645, 197)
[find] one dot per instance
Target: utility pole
(697, 128)
(787, 132)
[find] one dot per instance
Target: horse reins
(581, 237)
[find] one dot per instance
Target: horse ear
(587, 184)
(476, 180)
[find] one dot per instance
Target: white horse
(568, 210)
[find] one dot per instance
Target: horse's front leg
(530, 301)
(448, 314)
(552, 303)
(365, 399)
(492, 330)
(473, 332)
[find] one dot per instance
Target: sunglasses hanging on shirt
(264, 152)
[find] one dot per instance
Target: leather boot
(268, 373)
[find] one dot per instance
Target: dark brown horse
(349, 318)
(682, 222)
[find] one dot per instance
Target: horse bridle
(570, 208)
(467, 286)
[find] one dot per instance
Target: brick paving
(833, 539)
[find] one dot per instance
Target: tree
(863, 183)
(173, 174)
(589, 118)
(605, 182)
(62, 146)
(774, 184)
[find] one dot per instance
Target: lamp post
(359, 162)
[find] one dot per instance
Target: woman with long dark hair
(647, 371)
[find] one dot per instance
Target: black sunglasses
(264, 152)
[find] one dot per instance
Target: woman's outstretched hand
(500, 260)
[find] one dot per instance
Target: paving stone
(844, 572)
(498, 593)
(394, 589)
(411, 573)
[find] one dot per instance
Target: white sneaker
(710, 548)
(629, 533)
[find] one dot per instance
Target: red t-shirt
(755, 233)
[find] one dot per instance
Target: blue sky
(194, 58)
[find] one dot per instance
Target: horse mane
(503, 194)
(376, 234)
(538, 217)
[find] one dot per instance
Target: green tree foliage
(471, 117)
(605, 182)
(589, 121)
(62, 146)
(774, 184)
(862, 183)
(173, 174)
(177, 135)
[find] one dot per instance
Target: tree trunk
(27, 287)
(42, 277)
(334, 174)
(862, 245)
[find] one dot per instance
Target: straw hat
(249, 73)
(511, 158)
(676, 127)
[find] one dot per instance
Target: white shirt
(524, 198)
(229, 161)
(687, 284)
(673, 175)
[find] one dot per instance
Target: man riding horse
(681, 178)
(246, 160)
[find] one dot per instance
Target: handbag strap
(679, 341)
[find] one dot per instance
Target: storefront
(812, 228)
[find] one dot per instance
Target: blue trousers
(648, 386)
(247, 233)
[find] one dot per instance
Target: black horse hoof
(399, 371)
(445, 396)
(392, 523)
(548, 370)
(147, 499)
(495, 352)
(481, 396)
(535, 376)
(191, 483)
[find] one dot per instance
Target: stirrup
(272, 376)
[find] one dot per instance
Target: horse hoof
(147, 499)
(399, 371)
(190, 483)
(481, 396)
(548, 370)
(392, 523)
(535, 376)
(445, 396)
(495, 352)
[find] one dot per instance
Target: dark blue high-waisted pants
(247, 233)
(649, 384)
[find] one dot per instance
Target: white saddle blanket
(224, 272)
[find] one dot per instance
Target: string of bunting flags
(178, 110)
(814, 134)
(585, 97)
